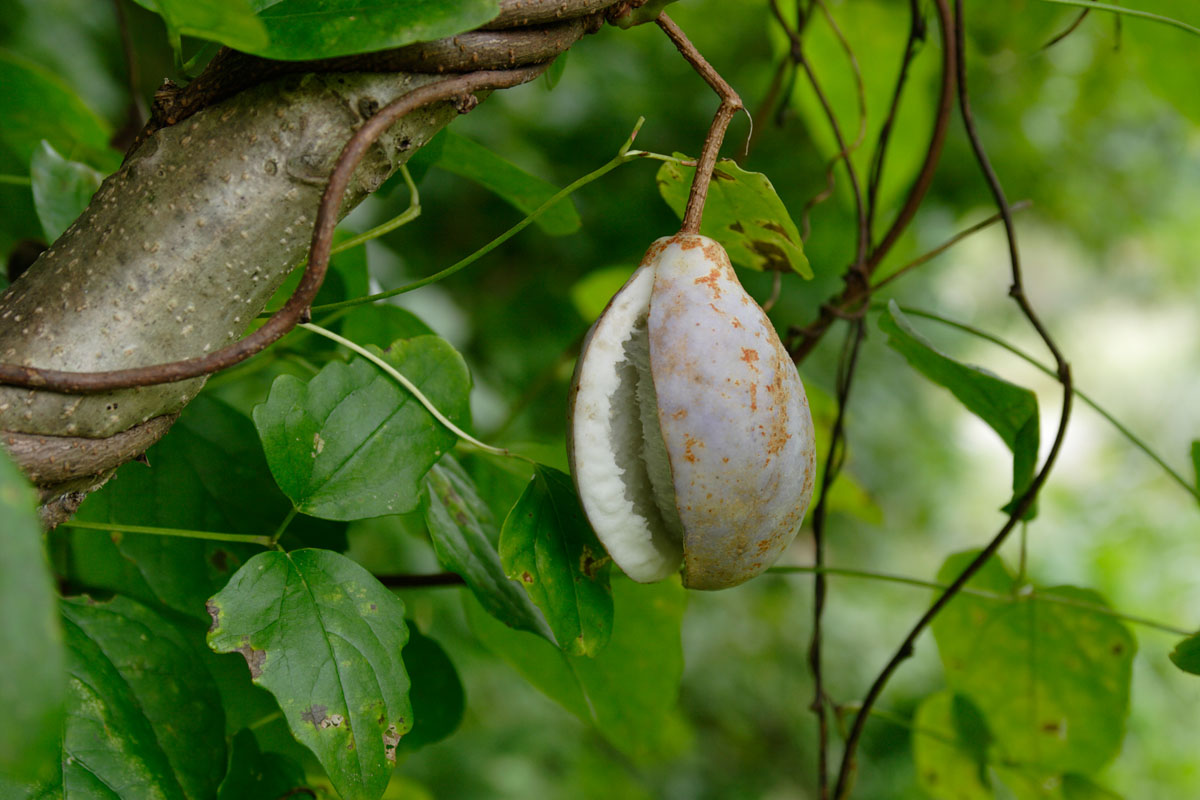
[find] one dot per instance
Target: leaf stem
(904, 580)
(287, 520)
(411, 387)
(183, 533)
(623, 155)
(1129, 12)
(1133, 438)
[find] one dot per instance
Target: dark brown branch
(730, 105)
(421, 581)
(856, 292)
(460, 88)
(1079, 18)
(834, 459)
(916, 36)
(1023, 503)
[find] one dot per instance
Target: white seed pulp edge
(618, 455)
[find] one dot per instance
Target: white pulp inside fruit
(620, 458)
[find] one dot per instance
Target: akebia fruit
(691, 440)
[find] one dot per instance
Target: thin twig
(421, 581)
(1021, 205)
(730, 105)
(296, 309)
(844, 151)
(1124, 430)
(1023, 503)
(916, 36)
(1004, 597)
(835, 457)
(804, 340)
(1079, 18)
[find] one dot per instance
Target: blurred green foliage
(1099, 130)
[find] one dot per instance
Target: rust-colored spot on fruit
(763, 545)
(688, 444)
(715, 309)
(754, 396)
(680, 414)
(750, 355)
(711, 280)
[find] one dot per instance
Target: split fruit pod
(690, 436)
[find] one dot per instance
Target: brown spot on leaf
(737, 227)
(220, 560)
(215, 612)
(314, 714)
(589, 564)
(526, 577)
(391, 738)
(775, 227)
(772, 254)
(254, 658)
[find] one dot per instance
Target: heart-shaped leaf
(352, 443)
(324, 636)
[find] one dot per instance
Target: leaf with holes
(352, 443)
(31, 692)
(144, 717)
(462, 529)
(1010, 410)
(324, 636)
(547, 545)
(308, 29)
(1050, 676)
(743, 213)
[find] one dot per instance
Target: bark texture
(182, 247)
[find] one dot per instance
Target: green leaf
(301, 30)
(743, 213)
(32, 690)
(518, 188)
(144, 717)
(629, 690)
(437, 694)
(1010, 410)
(36, 105)
(253, 773)
(352, 443)
(591, 293)
(554, 72)
(547, 544)
(323, 636)
(61, 189)
(1186, 654)
(947, 762)
(230, 22)
(462, 529)
(1052, 679)
(208, 474)
(380, 324)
